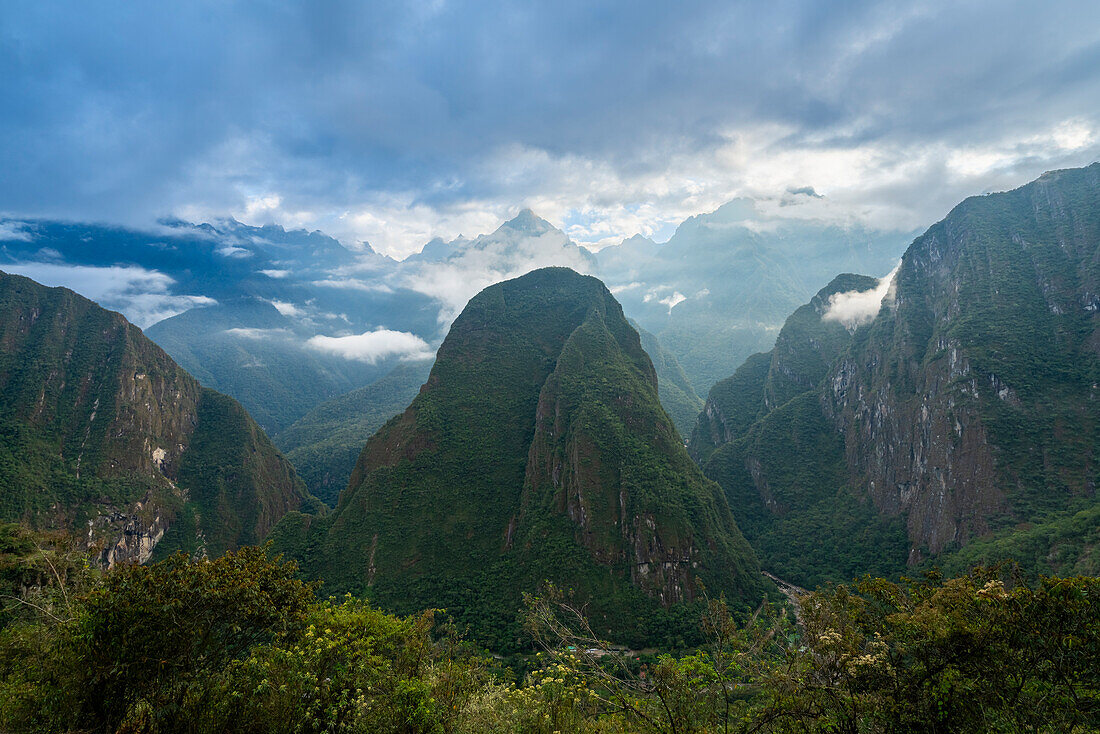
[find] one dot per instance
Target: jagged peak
(528, 222)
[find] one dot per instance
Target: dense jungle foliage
(240, 644)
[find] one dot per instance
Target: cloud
(671, 301)
(141, 295)
(287, 309)
(254, 333)
(14, 232)
(506, 253)
(356, 284)
(855, 308)
(234, 251)
(373, 346)
(276, 274)
(393, 123)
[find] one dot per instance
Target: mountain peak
(529, 222)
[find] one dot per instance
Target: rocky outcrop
(966, 408)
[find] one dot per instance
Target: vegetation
(239, 644)
(275, 377)
(100, 428)
(678, 397)
(538, 450)
(765, 440)
(324, 444)
(963, 414)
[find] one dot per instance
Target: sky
(396, 122)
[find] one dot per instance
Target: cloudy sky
(395, 122)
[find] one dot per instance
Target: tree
(153, 635)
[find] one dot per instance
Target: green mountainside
(678, 397)
(101, 433)
(324, 444)
(764, 422)
(804, 350)
(537, 450)
(964, 416)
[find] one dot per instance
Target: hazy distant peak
(638, 239)
(529, 223)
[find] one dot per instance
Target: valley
(552, 477)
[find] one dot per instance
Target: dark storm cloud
(124, 111)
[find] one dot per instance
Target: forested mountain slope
(537, 450)
(966, 410)
(102, 434)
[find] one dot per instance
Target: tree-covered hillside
(101, 433)
(324, 444)
(963, 415)
(537, 450)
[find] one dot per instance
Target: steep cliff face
(605, 455)
(764, 438)
(966, 409)
(805, 349)
(537, 450)
(971, 402)
(97, 429)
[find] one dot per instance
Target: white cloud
(139, 294)
(672, 301)
(372, 346)
(253, 333)
(854, 308)
(287, 309)
(489, 259)
(14, 231)
(354, 284)
(275, 273)
(233, 251)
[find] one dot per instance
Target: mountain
(964, 414)
(102, 434)
(762, 436)
(678, 397)
(537, 450)
(324, 444)
(251, 304)
(805, 349)
(721, 287)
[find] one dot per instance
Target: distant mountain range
(285, 320)
(945, 414)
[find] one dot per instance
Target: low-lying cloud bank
(142, 296)
(374, 346)
(855, 308)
